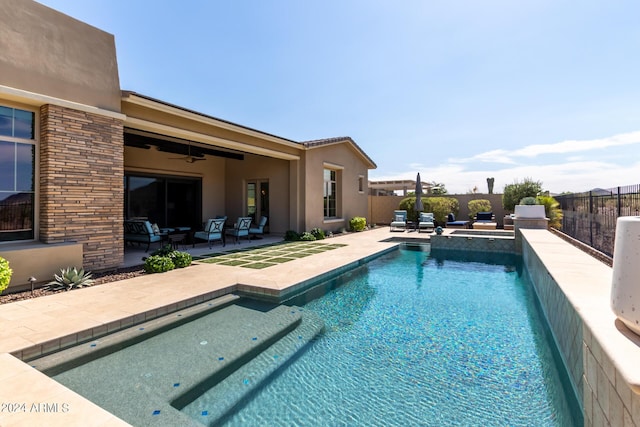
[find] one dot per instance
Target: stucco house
(79, 155)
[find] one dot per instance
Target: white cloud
(575, 176)
(569, 146)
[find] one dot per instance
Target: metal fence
(591, 217)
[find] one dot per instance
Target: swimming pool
(409, 339)
(414, 339)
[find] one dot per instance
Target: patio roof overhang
(269, 145)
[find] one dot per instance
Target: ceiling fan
(189, 158)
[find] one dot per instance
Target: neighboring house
(78, 155)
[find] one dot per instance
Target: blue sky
(458, 91)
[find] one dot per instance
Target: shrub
(528, 201)
(158, 264)
(357, 223)
(409, 204)
(517, 191)
(166, 250)
(181, 259)
(442, 206)
(480, 205)
(291, 236)
(70, 278)
(306, 236)
(318, 233)
(5, 274)
(552, 211)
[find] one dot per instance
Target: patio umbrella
(418, 206)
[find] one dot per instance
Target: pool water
(417, 340)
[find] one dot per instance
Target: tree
(437, 189)
(517, 191)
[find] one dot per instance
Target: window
(360, 184)
(17, 174)
(330, 188)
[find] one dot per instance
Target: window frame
(30, 233)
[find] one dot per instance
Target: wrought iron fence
(591, 217)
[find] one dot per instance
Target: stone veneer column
(81, 195)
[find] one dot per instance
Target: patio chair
(259, 229)
(240, 228)
(426, 222)
(452, 223)
(213, 230)
(485, 221)
(399, 220)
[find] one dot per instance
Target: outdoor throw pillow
(155, 228)
(399, 218)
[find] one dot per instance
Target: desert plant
(552, 211)
(479, 205)
(70, 278)
(357, 223)
(5, 274)
(308, 237)
(515, 192)
(528, 201)
(158, 264)
(318, 233)
(181, 259)
(291, 236)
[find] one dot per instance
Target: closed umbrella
(418, 206)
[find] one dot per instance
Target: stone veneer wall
(606, 398)
(81, 183)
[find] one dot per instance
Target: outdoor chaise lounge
(452, 223)
(426, 222)
(259, 229)
(485, 221)
(399, 220)
(212, 231)
(240, 228)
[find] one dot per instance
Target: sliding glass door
(168, 201)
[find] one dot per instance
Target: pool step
(173, 368)
(230, 394)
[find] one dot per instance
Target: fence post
(619, 202)
(591, 218)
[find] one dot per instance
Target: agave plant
(70, 278)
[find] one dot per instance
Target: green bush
(318, 233)
(308, 237)
(552, 211)
(181, 259)
(357, 223)
(158, 264)
(70, 278)
(409, 204)
(442, 206)
(479, 205)
(517, 191)
(166, 250)
(291, 236)
(5, 274)
(528, 201)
